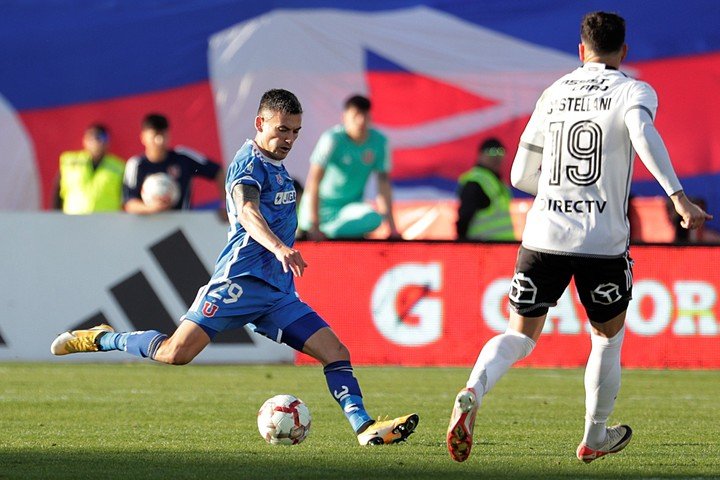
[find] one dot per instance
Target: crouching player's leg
(298, 326)
(180, 348)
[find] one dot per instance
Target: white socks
(602, 383)
(496, 358)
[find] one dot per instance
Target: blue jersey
(242, 255)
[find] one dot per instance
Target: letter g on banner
(390, 322)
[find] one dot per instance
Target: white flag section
(19, 185)
(61, 272)
(320, 56)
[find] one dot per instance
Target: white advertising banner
(64, 272)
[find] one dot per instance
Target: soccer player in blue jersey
(253, 282)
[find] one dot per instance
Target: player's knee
(175, 355)
(334, 353)
(522, 344)
(342, 352)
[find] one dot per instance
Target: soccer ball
(157, 186)
(283, 420)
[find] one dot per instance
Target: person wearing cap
(90, 180)
(484, 209)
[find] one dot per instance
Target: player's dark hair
(155, 121)
(281, 101)
(99, 130)
(603, 32)
(358, 102)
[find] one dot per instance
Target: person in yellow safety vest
(90, 180)
(484, 210)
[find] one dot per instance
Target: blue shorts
(247, 300)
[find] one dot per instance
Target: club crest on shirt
(368, 157)
(249, 168)
(174, 171)
(280, 179)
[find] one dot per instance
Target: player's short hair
(281, 101)
(358, 102)
(603, 32)
(155, 121)
(99, 131)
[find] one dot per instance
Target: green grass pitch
(140, 420)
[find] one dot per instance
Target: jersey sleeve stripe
(641, 107)
(531, 147)
(247, 177)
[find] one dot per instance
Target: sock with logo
(141, 344)
(345, 390)
(602, 384)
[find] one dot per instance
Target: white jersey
(583, 186)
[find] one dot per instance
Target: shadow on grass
(279, 463)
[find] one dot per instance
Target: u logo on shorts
(209, 309)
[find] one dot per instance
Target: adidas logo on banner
(140, 302)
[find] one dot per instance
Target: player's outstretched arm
(247, 203)
(648, 144)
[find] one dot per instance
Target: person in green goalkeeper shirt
(340, 166)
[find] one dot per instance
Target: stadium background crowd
(53, 115)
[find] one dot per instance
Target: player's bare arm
(312, 187)
(385, 202)
(247, 203)
(137, 206)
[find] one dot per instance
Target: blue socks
(140, 344)
(112, 341)
(345, 390)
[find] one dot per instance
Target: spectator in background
(484, 211)
(341, 164)
(181, 164)
(90, 180)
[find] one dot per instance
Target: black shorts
(604, 284)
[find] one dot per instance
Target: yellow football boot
(78, 340)
(389, 431)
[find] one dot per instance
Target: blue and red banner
(444, 75)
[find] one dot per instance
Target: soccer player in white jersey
(576, 156)
(253, 281)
